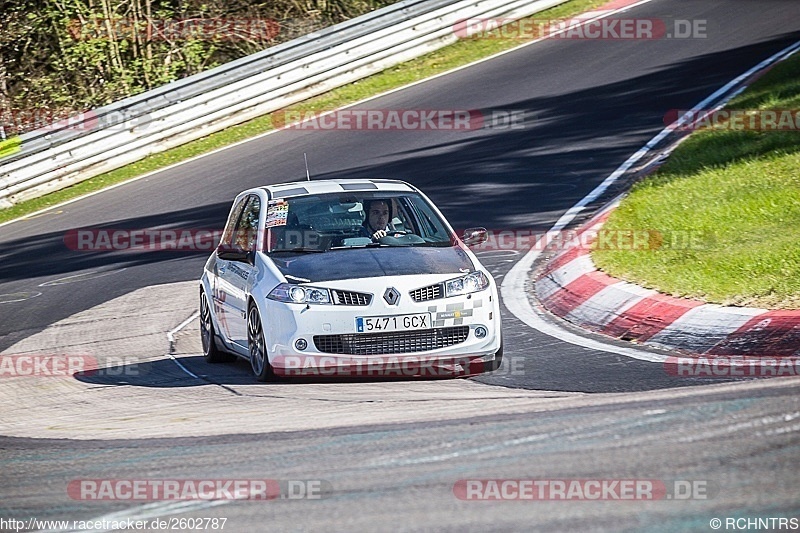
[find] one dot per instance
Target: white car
(303, 284)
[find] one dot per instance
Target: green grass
(10, 146)
(447, 58)
(738, 192)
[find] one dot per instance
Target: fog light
(480, 332)
(300, 344)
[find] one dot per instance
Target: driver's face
(378, 215)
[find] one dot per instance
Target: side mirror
(235, 254)
(475, 236)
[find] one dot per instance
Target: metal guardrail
(131, 129)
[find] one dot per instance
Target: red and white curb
(639, 314)
(570, 286)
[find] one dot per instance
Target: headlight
(472, 282)
(299, 294)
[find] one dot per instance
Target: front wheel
(211, 353)
(257, 345)
(498, 359)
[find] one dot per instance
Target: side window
(246, 231)
(233, 218)
(430, 226)
(402, 220)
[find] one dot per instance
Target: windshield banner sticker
(277, 211)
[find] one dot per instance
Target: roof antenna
(308, 175)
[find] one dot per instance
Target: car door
(234, 277)
(218, 286)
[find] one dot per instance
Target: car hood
(373, 262)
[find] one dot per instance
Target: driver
(378, 216)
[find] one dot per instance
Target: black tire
(211, 353)
(257, 345)
(498, 359)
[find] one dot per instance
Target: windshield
(326, 222)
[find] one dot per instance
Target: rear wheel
(257, 345)
(211, 353)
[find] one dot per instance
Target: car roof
(301, 188)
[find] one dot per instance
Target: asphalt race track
(391, 453)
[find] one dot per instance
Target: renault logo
(392, 296)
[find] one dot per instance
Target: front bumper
(389, 366)
(333, 346)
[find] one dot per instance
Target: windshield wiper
(434, 244)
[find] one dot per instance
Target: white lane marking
(374, 97)
(515, 286)
(599, 429)
(18, 296)
(156, 510)
(781, 431)
(171, 339)
(715, 432)
(92, 274)
(43, 214)
(524, 311)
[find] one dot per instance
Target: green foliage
(10, 146)
(460, 53)
(739, 191)
(66, 56)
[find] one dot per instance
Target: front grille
(423, 294)
(391, 343)
(351, 298)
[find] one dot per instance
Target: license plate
(375, 324)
